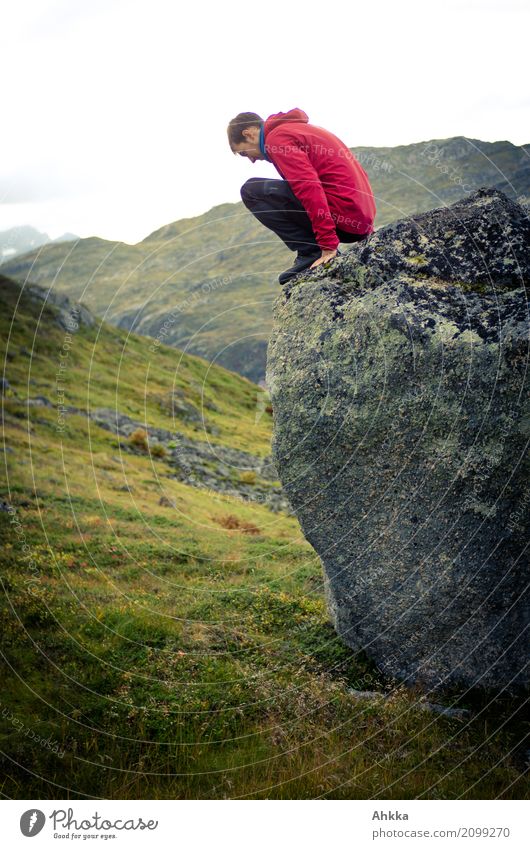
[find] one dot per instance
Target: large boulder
(399, 383)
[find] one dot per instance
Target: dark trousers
(274, 203)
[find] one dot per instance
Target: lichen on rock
(400, 395)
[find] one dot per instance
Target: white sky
(114, 112)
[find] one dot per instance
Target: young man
(324, 197)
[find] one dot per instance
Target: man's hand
(326, 256)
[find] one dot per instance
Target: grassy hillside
(163, 640)
(112, 368)
(210, 281)
(414, 178)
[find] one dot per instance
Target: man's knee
(250, 191)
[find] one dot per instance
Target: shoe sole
(296, 273)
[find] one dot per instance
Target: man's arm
(294, 164)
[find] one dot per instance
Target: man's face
(250, 147)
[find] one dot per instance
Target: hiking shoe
(301, 263)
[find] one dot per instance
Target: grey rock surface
(452, 713)
(69, 315)
(443, 710)
(39, 401)
(399, 379)
(175, 404)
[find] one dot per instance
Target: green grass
(164, 655)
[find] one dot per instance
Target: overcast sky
(114, 112)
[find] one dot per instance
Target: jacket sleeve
(294, 165)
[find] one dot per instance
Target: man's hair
(242, 122)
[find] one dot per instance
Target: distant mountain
(206, 284)
(21, 239)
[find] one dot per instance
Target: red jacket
(323, 174)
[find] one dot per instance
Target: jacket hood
(296, 115)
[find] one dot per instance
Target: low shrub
(232, 522)
(138, 439)
(158, 450)
(247, 477)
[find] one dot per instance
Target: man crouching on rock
(324, 197)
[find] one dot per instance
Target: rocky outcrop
(175, 404)
(399, 383)
(69, 315)
(202, 464)
(219, 468)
